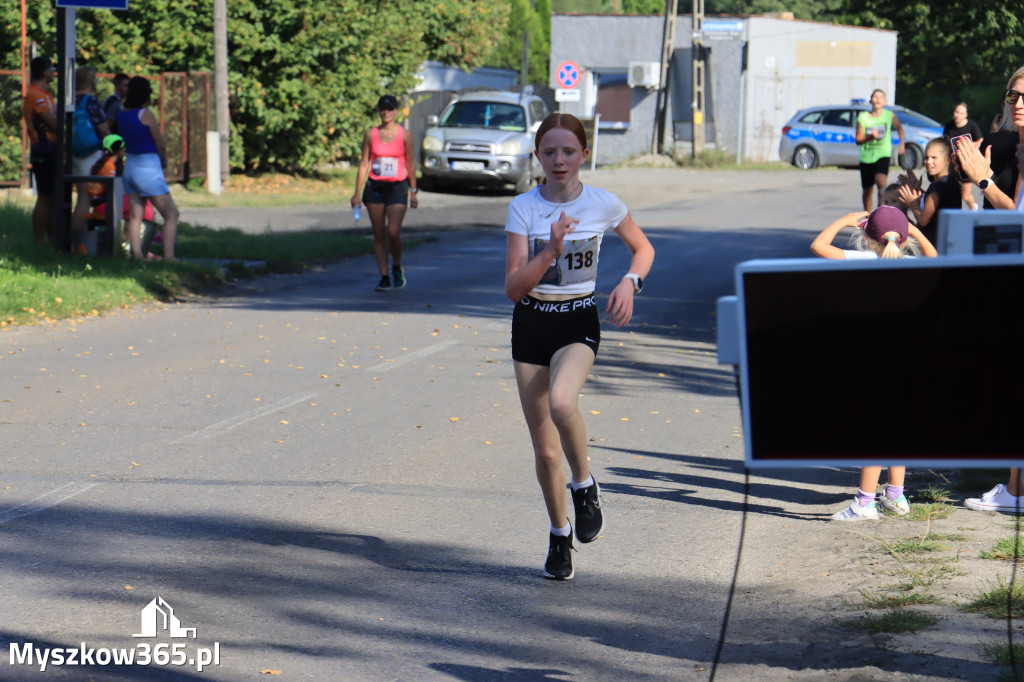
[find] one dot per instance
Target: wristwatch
(983, 185)
(638, 282)
(415, 190)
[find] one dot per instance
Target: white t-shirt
(575, 270)
(864, 255)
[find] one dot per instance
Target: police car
(826, 135)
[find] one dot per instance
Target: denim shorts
(384, 192)
(144, 175)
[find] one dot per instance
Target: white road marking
(246, 417)
(415, 355)
(45, 501)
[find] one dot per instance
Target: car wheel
(805, 157)
(911, 158)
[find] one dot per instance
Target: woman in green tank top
(874, 135)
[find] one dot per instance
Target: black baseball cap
(387, 102)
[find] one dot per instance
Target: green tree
(508, 52)
(948, 50)
(801, 9)
(304, 75)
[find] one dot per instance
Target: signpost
(94, 4)
(66, 105)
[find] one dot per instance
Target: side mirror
(431, 120)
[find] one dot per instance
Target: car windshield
(485, 115)
(917, 120)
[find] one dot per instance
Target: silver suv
(484, 137)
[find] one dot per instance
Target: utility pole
(524, 67)
(220, 83)
(698, 77)
(668, 39)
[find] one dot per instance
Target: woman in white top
(554, 239)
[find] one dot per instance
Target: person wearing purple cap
(884, 233)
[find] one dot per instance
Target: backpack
(85, 141)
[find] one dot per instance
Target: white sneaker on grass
(857, 512)
(997, 499)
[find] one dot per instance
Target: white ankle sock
(586, 484)
(564, 532)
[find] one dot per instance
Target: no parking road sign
(568, 75)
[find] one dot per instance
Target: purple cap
(887, 219)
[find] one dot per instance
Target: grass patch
(272, 189)
(901, 599)
(918, 545)
(999, 653)
(928, 511)
(895, 621)
(993, 602)
(919, 577)
(1004, 549)
(933, 493)
(38, 284)
(282, 251)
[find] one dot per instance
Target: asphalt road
(337, 484)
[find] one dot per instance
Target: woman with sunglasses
(388, 167)
(997, 173)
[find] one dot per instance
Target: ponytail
(892, 246)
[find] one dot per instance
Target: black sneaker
(559, 563)
(589, 519)
(399, 276)
(384, 284)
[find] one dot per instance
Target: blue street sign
(734, 25)
(94, 4)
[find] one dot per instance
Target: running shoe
(559, 563)
(899, 506)
(589, 519)
(399, 276)
(857, 512)
(384, 284)
(997, 499)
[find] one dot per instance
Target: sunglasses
(1011, 96)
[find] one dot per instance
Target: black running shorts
(542, 328)
(868, 171)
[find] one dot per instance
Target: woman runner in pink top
(388, 167)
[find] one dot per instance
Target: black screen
(907, 363)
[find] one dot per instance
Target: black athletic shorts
(868, 171)
(384, 192)
(44, 166)
(542, 328)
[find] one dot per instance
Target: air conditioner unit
(644, 74)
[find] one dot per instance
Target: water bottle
(357, 211)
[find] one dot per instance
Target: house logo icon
(158, 617)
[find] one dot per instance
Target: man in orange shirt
(40, 113)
